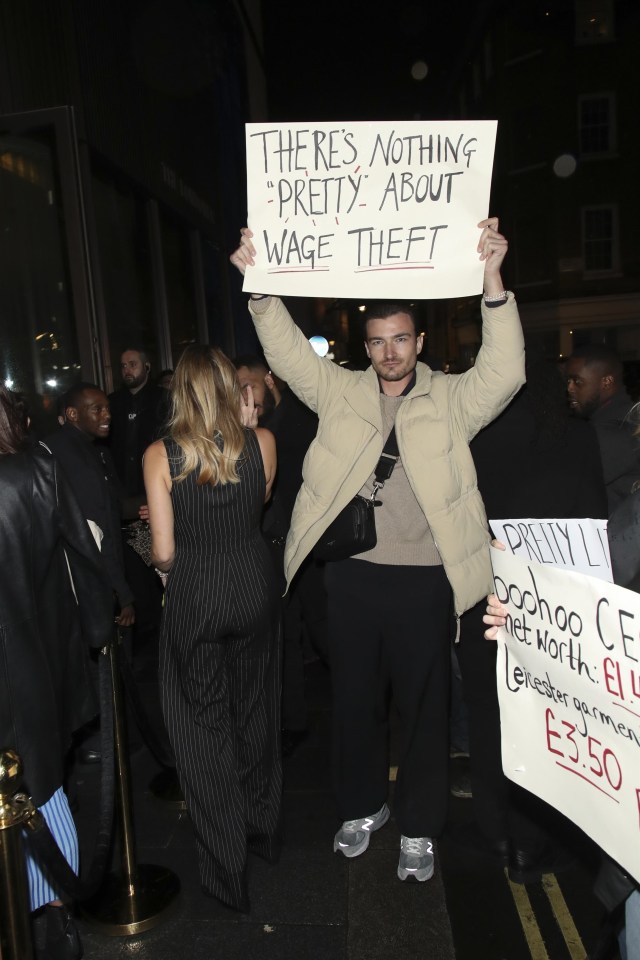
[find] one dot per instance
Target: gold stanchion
(15, 809)
(139, 897)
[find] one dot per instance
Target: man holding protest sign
(432, 540)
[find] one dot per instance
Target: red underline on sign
(301, 270)
(582, 777)
(378, 269)
(628, 709)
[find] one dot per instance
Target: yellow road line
(563, 917)
(530, 927)
(393, 773)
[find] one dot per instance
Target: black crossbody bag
(354, 529)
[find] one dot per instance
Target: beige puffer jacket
(434, 425)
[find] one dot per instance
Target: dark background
(347, 61)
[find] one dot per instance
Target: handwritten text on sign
(569, 690)
(579, 545)
(364, 209)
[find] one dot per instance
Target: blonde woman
(206, 485)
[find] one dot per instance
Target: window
(597, 124)
(594, 21)
(599, 239)
(126, 270)
(40, 355)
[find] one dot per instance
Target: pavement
(317, 905)
(313, 905)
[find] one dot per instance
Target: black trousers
(390, 631)
(304, 612)
(501, 808)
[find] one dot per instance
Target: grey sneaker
(352, 838)
(416, 858)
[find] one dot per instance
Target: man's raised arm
(288, 351)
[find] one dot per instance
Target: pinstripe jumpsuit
(220, 672)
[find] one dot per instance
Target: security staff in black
(139, 410)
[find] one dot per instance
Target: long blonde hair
(205, 420)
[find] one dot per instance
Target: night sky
(343, 61)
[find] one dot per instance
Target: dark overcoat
(45, 632)
(90, 473)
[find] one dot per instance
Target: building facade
(558, 76)
(122, 184)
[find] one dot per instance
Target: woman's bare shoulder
(156, 453)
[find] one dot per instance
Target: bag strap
(384, 468)
(388, 459)
(390, 453)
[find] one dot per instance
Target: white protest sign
(579, 545)
(569, 691)
(368, 209)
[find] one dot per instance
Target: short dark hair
(144, 356)
(382, 309)
(252, 361)
(599, 354)
(72, 397)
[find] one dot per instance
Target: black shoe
(243, 905)
(291, 740)
(62, 939)
(470, 838)
(86, 755)
(165, 786)
(265, 846)
(460, 785)
(528, 864)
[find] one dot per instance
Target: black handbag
(354, 529)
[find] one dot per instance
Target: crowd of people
(239, 468)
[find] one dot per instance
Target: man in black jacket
(596, 393)
(139, 410)
(89, 470)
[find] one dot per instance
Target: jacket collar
(616, 406)
(76, 434)
(363, 395)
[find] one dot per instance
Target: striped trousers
(57, 813)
